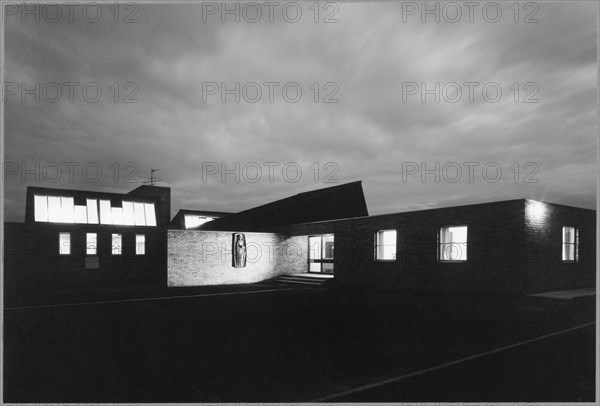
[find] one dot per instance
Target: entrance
(320, 253)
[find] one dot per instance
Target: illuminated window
(128, 218)
(117, 244)
(67, 210)
(138, 214)
(140, 244)
(40, 205)
(150, 215)
(453, 243)
(64, 243)
(91, 243)
(193, 220)
(92, 211)
(570, 244)
(105, 212)
(117, 216)
(54, 212)
(81, 215)
(385, 245)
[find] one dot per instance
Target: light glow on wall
(194, 220)
(535, 210)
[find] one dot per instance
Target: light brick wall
(198, 258)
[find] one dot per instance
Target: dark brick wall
(545, 269)
(198, 258)
(495, 234)
(32, 260)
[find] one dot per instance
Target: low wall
(198, 258)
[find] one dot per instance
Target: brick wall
(546, 271)
(495, 234)
(197, 258)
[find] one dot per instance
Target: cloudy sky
(373, 62)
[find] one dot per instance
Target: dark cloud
(170, 52)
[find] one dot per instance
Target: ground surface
(266, 344)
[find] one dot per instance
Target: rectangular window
(138, 214)
(150, 215)
(570, 244)
(92, 211)
(117, 216)
(40, 205)
(64, 243)
(117, 244)
(67, 210)
(80, 214)
(54, 212)
(385, 245)
(91, 243)
(140, 244)
(128, 219)
(453, 243)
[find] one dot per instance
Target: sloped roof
(337, 202)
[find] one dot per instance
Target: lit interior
(453, 243)
(386, 245)
(140, 244)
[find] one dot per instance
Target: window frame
(60, 245)
(575, 245)
(87, 245)
(136, 244)
(112, 244)
(441, 251)
(377, 245)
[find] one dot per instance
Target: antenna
(152, 180)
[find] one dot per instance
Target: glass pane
(64, 243)
(92, 211)
(314, 247)
(91, 243)
(139, 215)
(327, 268)
(105, 212)
(140, 244)
(67, 210)
(150, 215)
(81, 214)
(54, 213)
(117, 216)
(327, 247)
(453, 243)
(116, 244)
(128, 218)
(314, 267)
(40, 207)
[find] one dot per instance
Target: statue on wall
(239, 250)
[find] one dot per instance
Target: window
(40, 205)
(140, 244)
(64, 243)
(138, 214)
(150, 215)
(385, 245)
(570, 244)
(193, 220)
(321, 253)
(92, 211)
(91, 241)
(105, 212)
(117, 244)
(453, 243)
(80, 214)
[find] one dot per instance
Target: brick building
(76, 238)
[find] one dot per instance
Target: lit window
(40, 205)
(64, 243)
(67, 210)
(150, 215)
(453, 243)
(570, 244)
(92, 211)
(116, 244)
(385, 245)
(139, 215)
(193, 220)
(128, 218)
(80, 214)
(91, 241)
(54, 213)
(140, 244)
(117, 216)
(105, 212)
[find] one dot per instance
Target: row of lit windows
(453, 244)
(56, 209)
(91, 244)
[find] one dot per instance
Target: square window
(570, 244)
(385, 245)
(64, 243)
(453, 243)
(117, 244)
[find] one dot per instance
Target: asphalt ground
(264, 344)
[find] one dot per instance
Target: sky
(377, 92)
